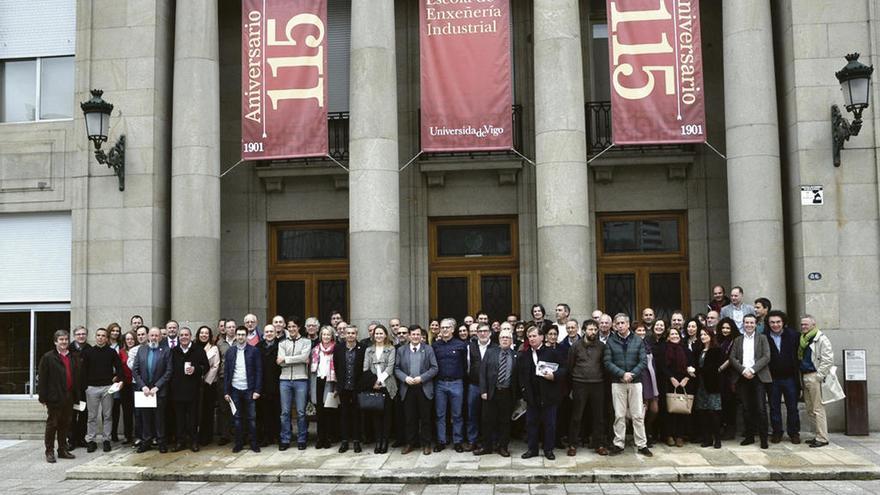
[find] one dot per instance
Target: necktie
(503, 368)
(150, 366)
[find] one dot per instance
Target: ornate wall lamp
(97, 114)
(855, 82)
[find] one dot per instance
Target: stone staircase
(22, 419)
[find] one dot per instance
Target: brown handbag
(679, 403)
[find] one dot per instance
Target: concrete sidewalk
(847, 458)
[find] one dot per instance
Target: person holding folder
(152, 375)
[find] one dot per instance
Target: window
(26, 333)
(36, 89)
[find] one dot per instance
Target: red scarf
(316, 359)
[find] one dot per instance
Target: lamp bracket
(115, 159)
(842, 130)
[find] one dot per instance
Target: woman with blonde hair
(322, 383)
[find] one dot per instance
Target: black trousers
(154, 422)
(496, 419)
(349, 416)
(381, 420)
(399, 419)
(325, 415)
(186, 419)
(754, 400)
(417, 410)
(592, 395)
(224, 413)
(58, 422)
(206, 413)
(268, 414)
(123, 408)
(77, 433)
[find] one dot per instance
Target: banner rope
(523, 156)
(341, 165)
(232, 167)
(600, 153)
(713, 149)
(407, 164)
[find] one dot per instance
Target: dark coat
(784, 363)
(187, 387)
(708, 373)
(52, 385)
(271, 369)
(489, 372)
(253, 363)
(161, 370)
(339, 365)
(428, 367)
(475, 360)
(538, 391)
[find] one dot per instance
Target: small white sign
(856, 363)
(812, 195)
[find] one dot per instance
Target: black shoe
(107, 446)
(63, 454)
(395, 444)
(115, 438)
(815, 444)
(300, 446)
(764, 444)
(50, 457)
(357, 447)
(178, 448)
(717, 442)
(255, 448)
(91, 447)
(195, 447)
(236, 449)
(529, 454)
(439, 447)
(143, 447)
(747, 441)
(458, 447)
(645, 451)
(549, 455)
(614, 450)
(163, 449)
(483, 451)
(343, 447)
(223, 441)
(283, 446)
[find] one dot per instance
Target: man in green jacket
(625, 360)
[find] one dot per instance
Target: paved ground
(25, 472)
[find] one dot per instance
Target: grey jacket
(761, 367)
(295, 358)
(428, 367)
(385, 362)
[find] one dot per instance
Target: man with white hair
(253, 333)
(816, 359)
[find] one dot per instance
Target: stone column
(374, 200)
(754, 186)
(563, 217)
(195, 166)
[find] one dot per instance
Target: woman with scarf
(674, 378)
(727, 333)
(322, 382)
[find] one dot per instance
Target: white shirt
(749, 351)
(535, 355)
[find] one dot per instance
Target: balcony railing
(599, 133)
(337, 134)
(516, 111)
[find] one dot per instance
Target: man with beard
(152, 375)
(587, 371)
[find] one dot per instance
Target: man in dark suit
(348, 361)
(749, 358)
(151, 375)
(783, 366)
(58, 390)
(243, 385)
(498, 387)
(76, 437)
(541, 389)
(188, 365)
(415, 367)
(476, 352)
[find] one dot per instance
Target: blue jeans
(244, 404)
(786, 388)
(294, 390)
(449, 392)
(474, 408)
(536, 417)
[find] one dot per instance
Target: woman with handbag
(379, 365)
(707, 371)
(322, 384)
(675, 379)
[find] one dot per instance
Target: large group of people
(447, 385)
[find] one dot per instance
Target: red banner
(465, 75)
(656, 71)
(283, 79)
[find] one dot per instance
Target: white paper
(232, 408)
(80, 406)
(144, 401)
(381, 376)
(543, 367)
(116, 387)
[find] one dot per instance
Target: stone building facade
(196, 236)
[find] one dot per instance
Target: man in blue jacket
(783, 366)
(244, 382)
(625, 359)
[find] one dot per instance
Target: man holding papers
(58, 390)
(541, 372)
(244, 383)
(151, 374)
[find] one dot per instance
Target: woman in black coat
(707, 371)
(674, 377)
